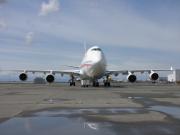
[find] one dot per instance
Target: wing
(50, 74)
(62, 72)
(126, 72)
(131, 77)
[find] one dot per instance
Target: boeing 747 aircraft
(92, 68)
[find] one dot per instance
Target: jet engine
(131, 78)
(23, 76)
(153, 76)
(50, 78)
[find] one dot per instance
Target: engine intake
(50, 78)
(154, 76)
(23, 76)
(131, 78)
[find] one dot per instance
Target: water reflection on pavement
(76, 121)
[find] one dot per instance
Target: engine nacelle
(153, 76)
(23, 76)
(131, 78)
(50, 78)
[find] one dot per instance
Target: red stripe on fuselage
(86, 65)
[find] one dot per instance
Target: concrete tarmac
(123, 103)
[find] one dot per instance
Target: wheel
(97, 84)
(109, 84)
(105, 84)
(94, 84)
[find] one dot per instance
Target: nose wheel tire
(84, 86)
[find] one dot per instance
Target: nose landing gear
(84, 83)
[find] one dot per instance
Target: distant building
(175, 76)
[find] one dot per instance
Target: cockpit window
(96, 49)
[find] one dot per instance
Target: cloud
(99, 22)
(116, 26)
(51, 6)
(29, 38)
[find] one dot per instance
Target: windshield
(96, 49)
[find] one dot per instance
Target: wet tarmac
(170, 110)
(54, 110)
(77, 121)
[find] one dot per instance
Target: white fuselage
(93, 65)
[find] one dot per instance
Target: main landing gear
(95, 83)
(72, 81)
(107, 82)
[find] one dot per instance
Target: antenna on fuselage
(85, 47)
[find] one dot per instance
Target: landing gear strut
(72, 81)
(95, 83)
(84, 83)
(107, 81)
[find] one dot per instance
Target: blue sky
(45, 34)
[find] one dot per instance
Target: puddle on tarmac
(170, 110)
(67, 112)
(57, 122)
(152, 105)
(136, 97)
(52, 126)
